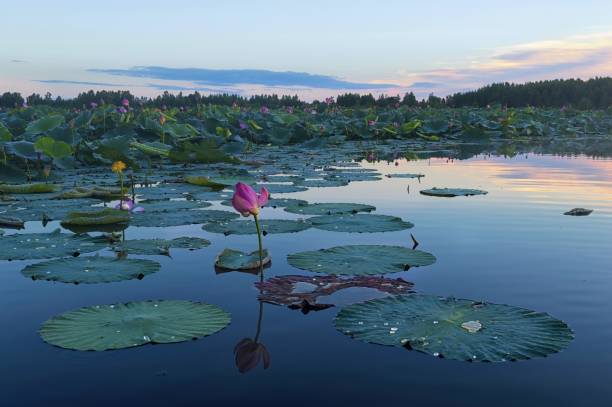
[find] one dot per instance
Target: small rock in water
(579, 212)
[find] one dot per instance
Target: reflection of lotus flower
(125, 102)
(249, 353)
(247, 201)
(128, 205)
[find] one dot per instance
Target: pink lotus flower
(93, 105)
(247, 202)
(243, 125)
(121, 110)
(128, 205)
(371, 122)
(329, 100)
(264, 110)
(125, 102)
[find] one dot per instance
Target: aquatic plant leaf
(360, 260)
(452, 192)
(359, 223)
(91, 270)
(152, 247)
(28, 188)
(329, 208)
(119, 326)
(407, 175)
(275, 202)
(236, 260)
(437, 326)
(44, 124)
(97, 217)
(182, 217)
(25, 246)
(204, 182)
(247, 227)
(579, 212)
(52, 148)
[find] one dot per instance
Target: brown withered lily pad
(304, 292)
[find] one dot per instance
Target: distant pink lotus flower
(247, 202)
(243, 125)
(128, 205)
(125, 102)
(93, 105)
(121, 110)
(371, 122)
(329, 100)
(289, 109)
(264, 110)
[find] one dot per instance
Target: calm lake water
(513, 246)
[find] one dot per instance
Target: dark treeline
(590, 94)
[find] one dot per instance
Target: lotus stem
(260, 246)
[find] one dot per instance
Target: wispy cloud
(65, 82)
(582, 56)
(232, 77)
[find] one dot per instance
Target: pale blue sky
(449, 45)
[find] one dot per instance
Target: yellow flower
(118, 167)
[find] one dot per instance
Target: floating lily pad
(247, 227)
(172, 205)
(293, 290)
(153, 247)
(275, 202)
(47, 209)
(236, 260)
(24, 246)
(178, 218)
(10, 222)
(106, 216)
(360, 260)
(119, 326)
(455, 328)
(404, 175)
(579, 212)
(359, 223)
(452, 192)
(28, 188)
(282, 188)
(329, 208)
(96, 192)
(90, 270)
(324, 183)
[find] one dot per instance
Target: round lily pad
(247, 227)
(97, 217)
(24, 246)
(119, 326)
(160, 246)
(329, 208)
(275, 202)
(171, 205)
(181, 217)
(360, 260)
(359, 223)
(579, 212)
(455, 328)
(452, 192)
(90, 270)
(236, 260)
(405, 175)
(282, 188)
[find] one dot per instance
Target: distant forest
(594, 93)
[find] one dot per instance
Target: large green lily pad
(360, 260)
(455, 328)
(181, 217)
(24, 246)
(247, 227)
(153, 247)
(90, 269)
(119, 326)
(329, 208)
(230, 259)
(359, 223)
(97, 217)
(28, 188)
(452, 192)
